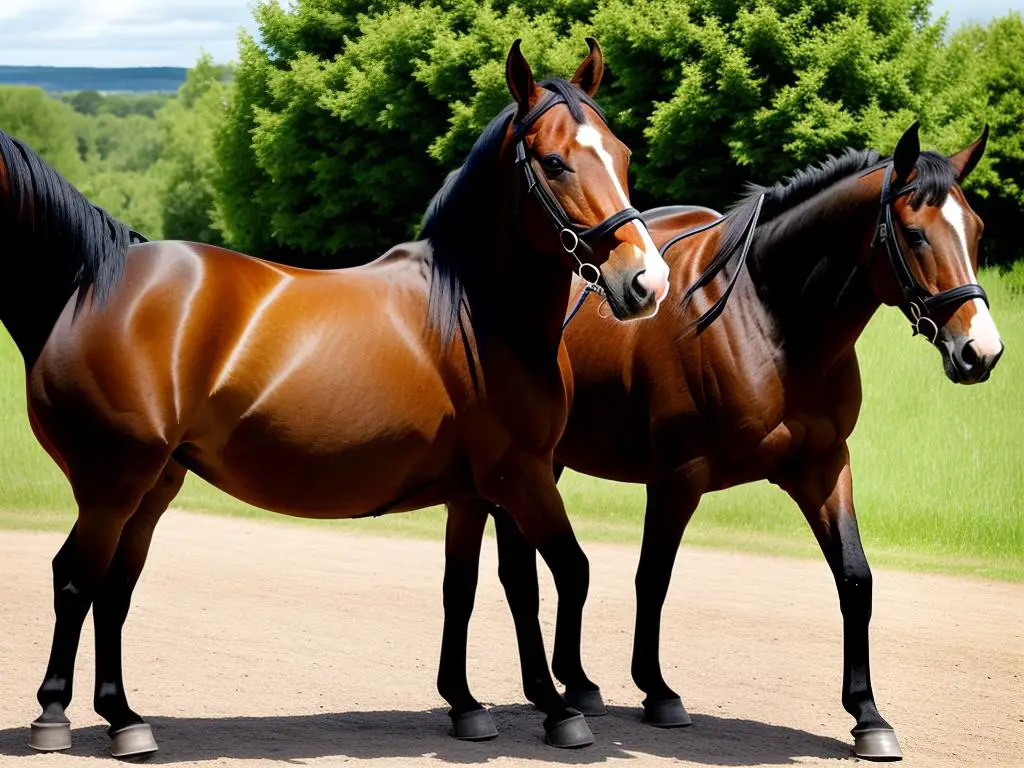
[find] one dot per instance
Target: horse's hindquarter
(305, 392)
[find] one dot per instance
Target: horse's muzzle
(963, 362)
(629, 295)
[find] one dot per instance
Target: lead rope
(587, 290)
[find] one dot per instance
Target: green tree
(46, 125)
(188, 125)
(348, 118)
(995, 56)
(87, 102)
(717, 93)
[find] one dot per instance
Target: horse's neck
(809, 271)
(520, 299)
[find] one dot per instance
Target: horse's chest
(767, 449)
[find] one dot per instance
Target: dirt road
(253, 644)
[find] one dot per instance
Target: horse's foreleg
(524, 487)
(824, 491)
(669, 509)
(129, 733)
(78, 569)
(567, 662)
(463, 536)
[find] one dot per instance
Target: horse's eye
(553, 165)
(916, 238)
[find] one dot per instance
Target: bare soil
(253, 644)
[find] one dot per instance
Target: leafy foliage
(146, 158)
(46, 125)
(996, 58)
(347, 119)
(326, 141)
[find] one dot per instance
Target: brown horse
(431, 374)
(770, 391)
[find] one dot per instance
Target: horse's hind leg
(463, 536)
(824, 491)
(130, 734)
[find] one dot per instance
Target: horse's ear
(908, 149)
(591, 70)
(965, 160)
(519, 78)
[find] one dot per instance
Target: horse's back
(252, 363)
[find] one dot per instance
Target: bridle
(578, 241)
(920, 305)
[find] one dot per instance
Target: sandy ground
(254, 644)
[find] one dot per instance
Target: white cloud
(120, 32)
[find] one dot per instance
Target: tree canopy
(324, 143)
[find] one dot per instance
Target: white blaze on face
(655, 276)
(983, 328)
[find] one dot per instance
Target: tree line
(324, 142)
(147, 158)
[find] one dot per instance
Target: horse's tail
(53, 242)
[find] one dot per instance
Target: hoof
(877, 744)
(133, 741)
(475, 725)
(570, 733)
(589, 702)
(667, 713)
(50, 737)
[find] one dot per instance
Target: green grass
(937, 468)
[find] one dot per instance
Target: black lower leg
(652, 580)
(567, 662)
(461, 570)
(71, 602)
(110, 609)
(668, 512)
(854, 583)
(517, 570)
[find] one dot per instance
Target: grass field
(937, 468)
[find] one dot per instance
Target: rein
(920, 305)
(575, 239)
(718, 264)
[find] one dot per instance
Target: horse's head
(574, 171)
(930, 235)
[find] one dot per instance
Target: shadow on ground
(363, 735)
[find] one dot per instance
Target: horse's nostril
(639, 285)
(969, 355)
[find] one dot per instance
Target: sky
(151, 33)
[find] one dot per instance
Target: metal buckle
(575, 241)
(597, 275)
(920, 320)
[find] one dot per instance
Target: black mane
(64, 230)
(459, 218)
(935, 176)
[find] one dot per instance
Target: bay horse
(771, 391)
(429, 375)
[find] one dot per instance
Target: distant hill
(126, 79)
